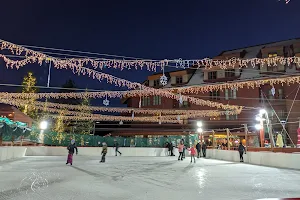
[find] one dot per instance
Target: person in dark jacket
(241, 150)
(104, 152)
(198, 147)
(72, 147)
(184, 147)
(171, 148)
(116, 145)
(204, 147)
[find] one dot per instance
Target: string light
(151, 65)
(58, 107)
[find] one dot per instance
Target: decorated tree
(84, 127)
(28, 86)
(59, 125)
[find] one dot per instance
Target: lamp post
(200, 130)
(260, 117)
(43, 127)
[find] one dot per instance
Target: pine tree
(28, 86)
(85, 127)
(59, 126)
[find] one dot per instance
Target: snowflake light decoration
(106, 102)
(273, 91)
(178, 117)
(163, 80)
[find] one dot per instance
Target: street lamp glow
(258, 126)
(199, 124)
(43, 125)
(258, 118)
(199, 130)
(262, 111)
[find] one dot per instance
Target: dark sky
(144, 29)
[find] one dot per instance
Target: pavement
(142, 178)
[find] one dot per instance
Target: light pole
(200, 130)
(43, 127)
(260, 117)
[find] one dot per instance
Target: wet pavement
(142, 178)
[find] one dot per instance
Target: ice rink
(142, 178)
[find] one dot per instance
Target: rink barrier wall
(271, 159)
(281, 160)
(96, 151)
(9, 153)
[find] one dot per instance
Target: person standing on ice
(180, 150)
(241, 150)
(104, 152)
(116, 146)
(204, 147)
(72, 147)
(193, 153)
(198, 147)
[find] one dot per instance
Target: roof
(270, 44)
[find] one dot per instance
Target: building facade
(283, 107)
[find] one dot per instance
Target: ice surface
(142, 178)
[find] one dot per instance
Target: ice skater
(72, 147)
(180, 150)
(193, 154)
(104, 152)
(198, 147)
(241, 150)
(116, 145)
(204, 147)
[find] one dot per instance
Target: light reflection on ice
(201, 175)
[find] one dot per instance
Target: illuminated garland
(159, 92)
(237, 85)
(151, 65)
(122, 82)
(117, 118)
(56, 108)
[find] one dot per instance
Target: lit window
(156, 83)
(214, 118)
(214, 95)
(157, 100)
(231, 117)
(145, 101)
(230, 94)
(272, 55)
(229, 73)
(212, 75)
(179, 80)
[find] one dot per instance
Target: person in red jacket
(193, 153)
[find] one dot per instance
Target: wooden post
(228, 145)
(213, 139)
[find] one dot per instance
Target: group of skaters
(198, 150)
(194, 149)
(72, 148)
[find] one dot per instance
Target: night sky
(142, 29)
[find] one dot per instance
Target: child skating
(104, 152)
(193, 153)
(180, 150)
(72, 147)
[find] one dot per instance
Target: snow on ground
(142, 178)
